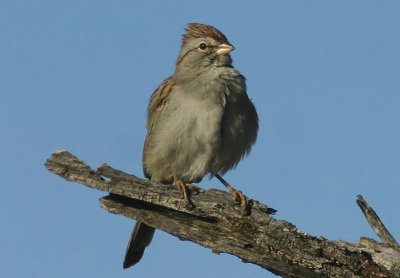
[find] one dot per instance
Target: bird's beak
(224, 49)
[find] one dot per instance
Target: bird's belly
(187, 141)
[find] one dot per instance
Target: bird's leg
(184, 190)
(236, 194)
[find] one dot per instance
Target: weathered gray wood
(375, 222)
(218, 223)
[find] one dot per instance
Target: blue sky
(77, 75)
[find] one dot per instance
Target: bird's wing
(158, 102)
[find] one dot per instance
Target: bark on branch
(218, 223)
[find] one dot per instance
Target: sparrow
(200, 122)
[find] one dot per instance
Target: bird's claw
(185, 191)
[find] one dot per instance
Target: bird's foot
(184, 190)
(193, 189)
(237, 195)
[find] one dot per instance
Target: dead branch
(218, 223)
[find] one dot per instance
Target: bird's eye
(202, 46)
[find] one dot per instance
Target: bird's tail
(140, 238)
